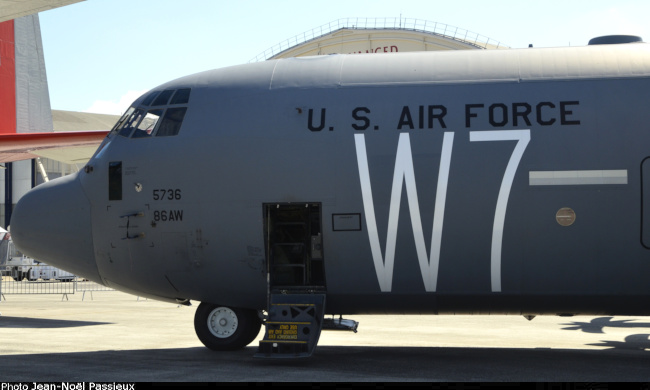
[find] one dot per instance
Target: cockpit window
(182, 96)
(147, 124)
(130, 123)
(163, 98)
(171, 123)
(147, 101)
(141, 122)
(124, 117)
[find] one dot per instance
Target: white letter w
(404, 172)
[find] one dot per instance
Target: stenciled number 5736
(167, 194)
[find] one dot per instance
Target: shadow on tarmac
(638, 342)
(43, 323)
(597, 325)
(334, 363)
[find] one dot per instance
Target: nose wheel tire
(223, 328)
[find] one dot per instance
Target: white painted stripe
(566, 178)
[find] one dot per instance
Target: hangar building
(378, 35)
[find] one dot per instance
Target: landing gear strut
(223, 328)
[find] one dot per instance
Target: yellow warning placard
(283, 332)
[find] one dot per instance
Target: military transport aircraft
(466, 182)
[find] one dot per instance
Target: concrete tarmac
(113, 336)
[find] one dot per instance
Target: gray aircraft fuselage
(511, 181)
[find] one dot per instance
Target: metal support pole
(33, 173)
(8, 193)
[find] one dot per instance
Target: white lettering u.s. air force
(404, 173)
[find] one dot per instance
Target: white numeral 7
(522, 137)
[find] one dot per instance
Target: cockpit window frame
(132, 122)
(163, 98)
(122, 119)
(150, 98)
(170, 106)
(141, 132)
(169, 122)
(181, 96)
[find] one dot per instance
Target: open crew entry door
(296, 280)
(294, 246)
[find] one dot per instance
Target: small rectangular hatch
(115, 180)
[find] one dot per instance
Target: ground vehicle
(20, 267)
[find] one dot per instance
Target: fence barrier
(85, 286)
(43, 279)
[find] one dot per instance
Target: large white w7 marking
(404, 172)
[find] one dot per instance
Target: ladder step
(282, 349)
(293, 326)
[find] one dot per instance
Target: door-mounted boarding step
(293, 326)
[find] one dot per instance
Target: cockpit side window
(163, 98)
(130, 123)
(171, 123)
(147, 124)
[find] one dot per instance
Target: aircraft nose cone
(51, 223)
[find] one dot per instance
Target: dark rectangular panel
(115, 180)
(645, 203)
(346, 222)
